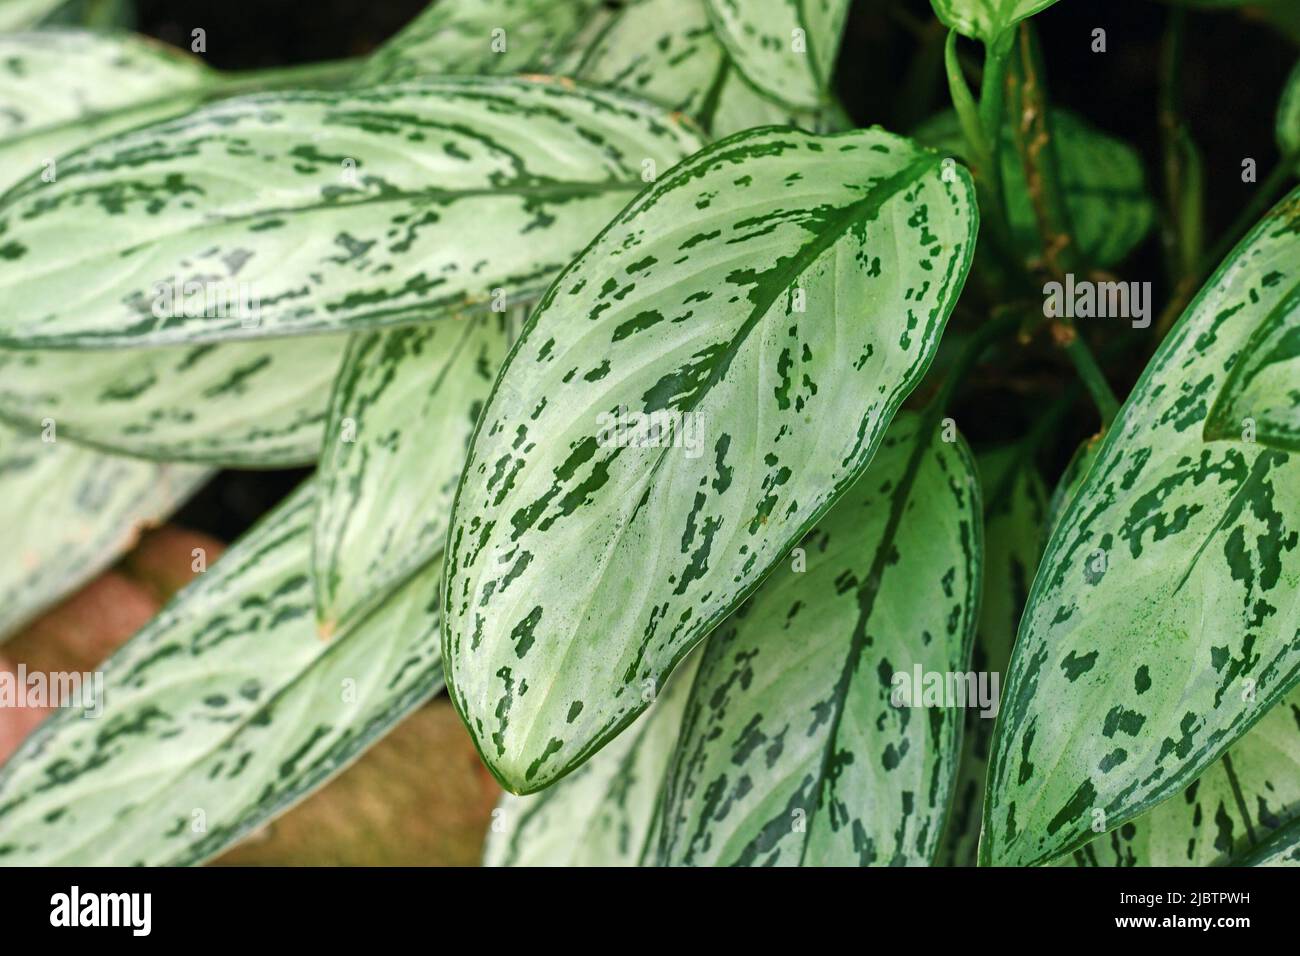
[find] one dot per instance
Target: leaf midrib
(862, 211)
(21, 339)
(242, 724)
(866, 598)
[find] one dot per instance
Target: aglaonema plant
(633, 378)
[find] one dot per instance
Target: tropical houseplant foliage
(628, 369)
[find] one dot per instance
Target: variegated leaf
(1102, 182)
(61, 89)
(1259, 400)
(289, 213)
(478, 37)
(807, 739)
(986, 20)
(667, 51)
(1015, 510)
(785, 48)
(256, 404)
(402, 416)
(690, 395)
(1282, 850)
(64, 89)
(1226, 813)
(1165, 619)
(602, 814)
(68, 512)
(1076, 470)
(221, 713)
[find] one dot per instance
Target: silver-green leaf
(478, 37)
(811, 736)
(785, 48)
(668, 51)
(1259, 400)
(1076, 470)
(603, 813)
(402, 416)
(986, 20)
(68, 512)
(225, 710)
(690, 395)
(318, 211)
(64, 89)
(61, 89)
(1282, 850)
(1225, 814)
(253, 404)
(1015, 508)
(1164, 620)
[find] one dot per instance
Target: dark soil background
(1234, 71)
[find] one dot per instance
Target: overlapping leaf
(986, 20)
(785, 48)
(402, 416)
(1227, 813)
(61, 89)
(1015, 510)
(478, 37)
(65, 89)
(1102, 183)
(668, 51)
(602, 814)
(222, 712)
(319, 211)
(702, 383)
(1260, 398)
(68, 512)
(263, 403)
(807, 739)
(1282, 850)
(1164, 620)
(1076, 469)
(256, 404)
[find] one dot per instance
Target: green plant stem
(992, 110)
(1182, 233)
(1264, 199)
(988, 170)
(1090, 373)
(968, 114)
(1037, 148)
